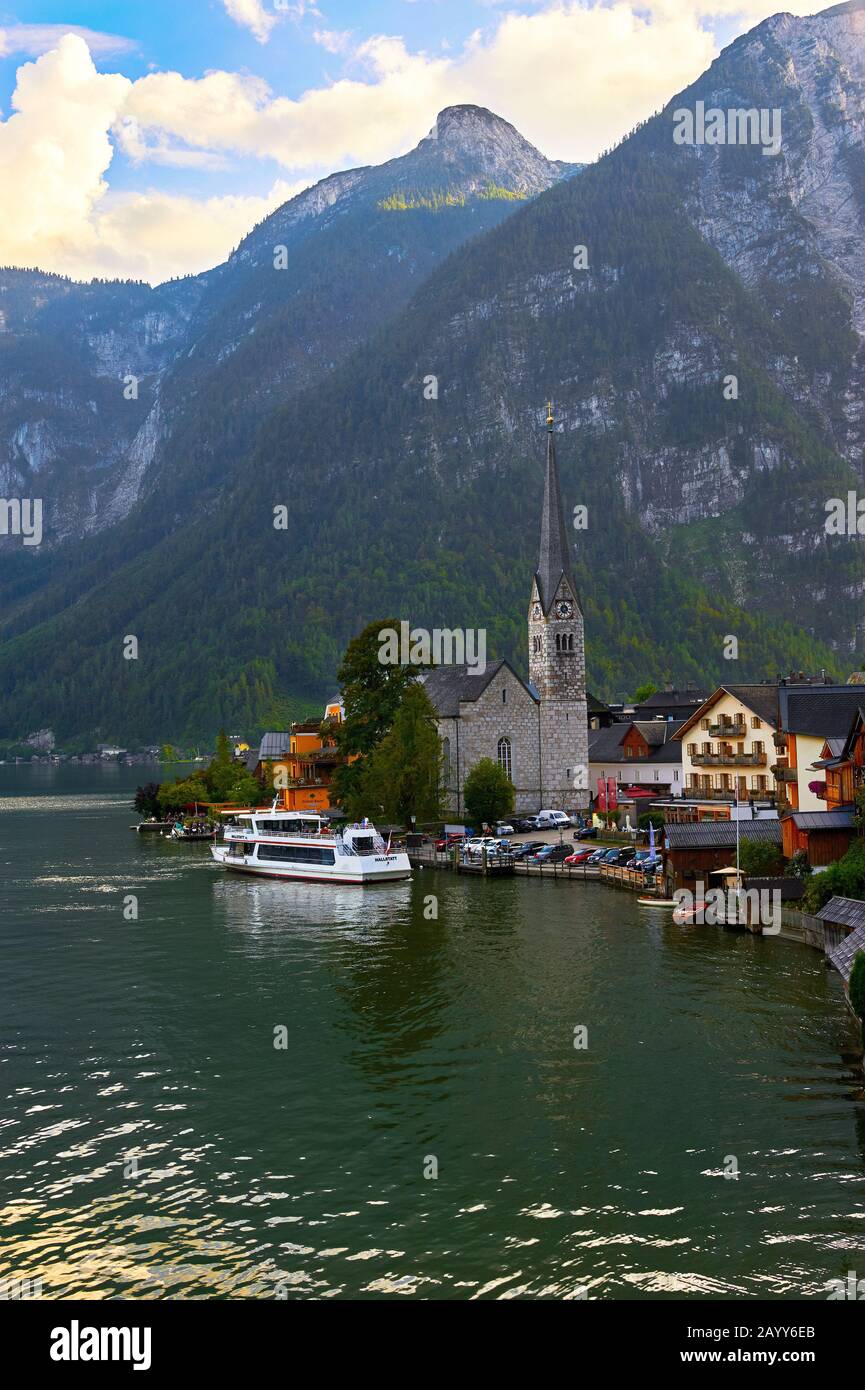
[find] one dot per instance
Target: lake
(426, 1127)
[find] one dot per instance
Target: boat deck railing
(239, 832)
(234, 834)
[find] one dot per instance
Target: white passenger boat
(297, 845)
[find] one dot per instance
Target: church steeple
(554, 558)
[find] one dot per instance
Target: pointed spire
(554, 559)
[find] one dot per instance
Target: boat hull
(364, 870)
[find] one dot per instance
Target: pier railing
(632, 879)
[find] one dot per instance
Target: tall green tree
(489, 793)
(403, 774)
(223, 773)
(147, 799)
(186, 791)
(643, 692)
(760, 859)
(372, 692)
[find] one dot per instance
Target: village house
(725, 747)
(642, 756)
(825, 835)
(693, 852)
(302, 763)
(808, 715)
(842, 761)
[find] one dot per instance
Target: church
(537, 730)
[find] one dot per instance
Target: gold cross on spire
(549, 415)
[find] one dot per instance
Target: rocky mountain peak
(474, 140)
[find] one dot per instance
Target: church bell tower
(557, 662)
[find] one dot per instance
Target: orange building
(302, 763)
(825, 835)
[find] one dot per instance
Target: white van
(552, 820)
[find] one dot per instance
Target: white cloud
(573, 77)
(334, 40)
(55, 150)
(351, 121)
(34, 39)
(154, 235)
(252, 15)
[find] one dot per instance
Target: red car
(579, 856)
(448, 842)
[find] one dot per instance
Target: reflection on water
(154, 1142)
(262, 905)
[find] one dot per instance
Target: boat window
(362, 844)
(298, 854)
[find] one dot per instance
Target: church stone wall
(482, 723)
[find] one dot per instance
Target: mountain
(213, 352)
(705, 513)
(68, 433)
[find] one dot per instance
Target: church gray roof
(449, 686)
(554, 559)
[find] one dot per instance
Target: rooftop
(605, 745)
(843, 912)
(449, 686)
(824, 711)
(721, 834)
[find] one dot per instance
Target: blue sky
(151, 140)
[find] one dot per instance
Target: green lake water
(155, 1143)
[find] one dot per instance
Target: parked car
(552, 820)
(502, 829)
(446, 842)
(587, 832)
(552, 854)
(524, 823)
(639, 859)
(610, 856)
(474, 848)
(528, 848)
(579, 856)
(597, 855)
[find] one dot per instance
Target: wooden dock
(501, 866)
(495, 866)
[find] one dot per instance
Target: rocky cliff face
(75, 428)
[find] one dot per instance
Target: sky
(144, 139)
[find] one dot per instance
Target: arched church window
(446, 762)
(503, 753)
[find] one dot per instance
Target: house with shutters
(726, 745)
(809, 716)
(643, 756)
